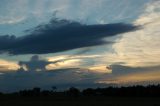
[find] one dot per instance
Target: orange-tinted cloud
(6, 66)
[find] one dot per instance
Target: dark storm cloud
(34, 64)
(61, 35)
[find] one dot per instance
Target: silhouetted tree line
(134, 91)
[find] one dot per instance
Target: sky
(81, 43)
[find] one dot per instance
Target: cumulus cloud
(61, 35)
(139, 48)
(33, 65)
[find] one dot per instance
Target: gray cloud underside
(11, 82)
(119, 70)
(61, 35)
(77, 78)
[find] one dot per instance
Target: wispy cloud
(142, 77)
(69, 57)
(77, 61)
(100, 69)
(7, 66)
(97, 12)
(72, 63)
(124, 75)
(11, 20)
(12, 12)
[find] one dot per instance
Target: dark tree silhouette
(133, 91)
(73, 91)
(54, 88)
(88, 92)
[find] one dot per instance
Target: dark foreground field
(111, 96)
(80, 101)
